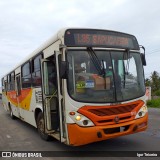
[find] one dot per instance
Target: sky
(26, 24)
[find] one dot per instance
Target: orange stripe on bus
(24, 99)
(12, 97)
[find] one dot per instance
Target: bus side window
(12, 83)
(2, 81)
(8, 82)
(18, 85)
(36, 75)
(5, 86)
(26, 75)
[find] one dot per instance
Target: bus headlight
(142, 112)
(80, 119)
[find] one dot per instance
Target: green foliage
(157, 93)
(147, 82)
(155, 103)
(154, 82)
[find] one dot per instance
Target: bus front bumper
(84, 135)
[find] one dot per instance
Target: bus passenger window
(8, 82)
(26, 76)
(12, 84)
(2, 81)
(5, 86)
(36, 75)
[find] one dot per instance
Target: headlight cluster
(141, 112)
(80, 119)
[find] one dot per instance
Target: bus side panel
(35, 102)
(50, 50)
(5, 101)
(9, 101)
(25, 105)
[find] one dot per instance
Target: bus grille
(107, 115)
(113, 111)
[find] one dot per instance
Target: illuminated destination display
(97, 39)
(100, 38)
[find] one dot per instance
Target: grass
(154, 103)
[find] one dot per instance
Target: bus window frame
(33, 71)
(29, 62)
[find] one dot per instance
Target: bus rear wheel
(40, 127)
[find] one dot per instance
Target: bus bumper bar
(84, 135)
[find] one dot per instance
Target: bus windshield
(104, 76)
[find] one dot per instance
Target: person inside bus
(78, 70)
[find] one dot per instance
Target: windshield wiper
(97, 63)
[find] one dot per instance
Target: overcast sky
(26, 24)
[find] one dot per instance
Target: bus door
(51, 94)
(18, 94)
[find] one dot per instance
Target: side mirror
(63, 69)
(143, 57)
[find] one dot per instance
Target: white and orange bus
(81, 86)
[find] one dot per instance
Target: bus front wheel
(40, 127)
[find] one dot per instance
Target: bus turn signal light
(72, 113)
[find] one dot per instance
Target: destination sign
(100, 38)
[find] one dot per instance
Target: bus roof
(58, 36)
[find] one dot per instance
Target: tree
(155, 81)
(147, 82)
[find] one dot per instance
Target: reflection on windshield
(122, 77)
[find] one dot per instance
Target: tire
(40, 127)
